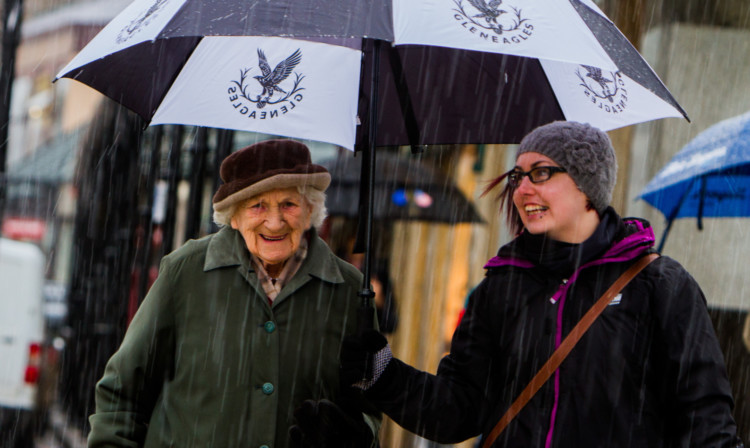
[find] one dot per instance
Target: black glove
(324, 424)
(358, 356)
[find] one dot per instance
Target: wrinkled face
(272, 225)
(555, 207)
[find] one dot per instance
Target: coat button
(269, 326)
(267, 388)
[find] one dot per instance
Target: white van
(21, 337)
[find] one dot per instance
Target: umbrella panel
(434, 95)
(624, 54)
(300, 18)
(144, 73)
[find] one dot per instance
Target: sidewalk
(60, 434)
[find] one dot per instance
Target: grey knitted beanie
(584, 151)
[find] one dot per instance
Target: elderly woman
(242, 327)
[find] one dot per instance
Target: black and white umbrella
(460, 71)
(366, 73)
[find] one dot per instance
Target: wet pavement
(60, 433)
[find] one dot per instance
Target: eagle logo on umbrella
(488, 11)
(490, 16)
(606, 90)
(270, 80)
(606, 85)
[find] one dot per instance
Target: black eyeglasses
(536, 175)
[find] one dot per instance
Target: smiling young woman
(648, 372)
(551, 204)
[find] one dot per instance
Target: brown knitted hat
(265, 166)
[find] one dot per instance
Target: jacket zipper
(552, 299)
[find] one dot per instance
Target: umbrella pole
(368, 179)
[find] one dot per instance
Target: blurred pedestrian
(649, 371)
(382, 286)
(243, 328)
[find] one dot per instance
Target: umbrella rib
(672, 216)
(676, 210)
(701, 202)
(404, 98)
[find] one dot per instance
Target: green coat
(207, 362)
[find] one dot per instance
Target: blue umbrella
(709, 177)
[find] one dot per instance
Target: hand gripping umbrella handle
(365, 323)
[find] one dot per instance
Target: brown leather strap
(546, 371)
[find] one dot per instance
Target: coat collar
(227, 248)
(634, 237)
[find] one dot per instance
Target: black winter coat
(649, 372)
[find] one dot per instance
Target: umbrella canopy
(708, 177)
(465, 71)
(405, 188)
